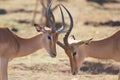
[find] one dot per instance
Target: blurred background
(95, 19)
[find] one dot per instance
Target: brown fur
(12, 46)
(108, 48)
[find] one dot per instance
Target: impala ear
(72, 37)
(85, 42)
(39, 28)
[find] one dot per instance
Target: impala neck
(28, 46)
(96, 51)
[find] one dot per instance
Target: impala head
(77, 51)
(49, 39)
(51, 32)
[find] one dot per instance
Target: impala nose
(53, 55)
(73, 73)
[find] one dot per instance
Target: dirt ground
(92, 18)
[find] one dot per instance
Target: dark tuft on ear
(38, 28)
(86, 43)
(35, 24)
(89, 41)
(73, 36)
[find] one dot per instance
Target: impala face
(77, 48)
(78, 57)
(75, 56)
(49, 39)
(50, 32)
(50, 43)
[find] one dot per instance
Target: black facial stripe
(74, 53)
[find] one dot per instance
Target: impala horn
(51, 17)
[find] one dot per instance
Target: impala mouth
(53, 55)
(75, 72)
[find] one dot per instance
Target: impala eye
(49, 37)
(74, 53)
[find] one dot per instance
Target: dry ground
(91, 19)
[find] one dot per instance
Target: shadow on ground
(22, 21)
(58, 24)
(87, 68)
(3, 11)
(111, 23)
(22, 11)
(102, 2)
(99, 68)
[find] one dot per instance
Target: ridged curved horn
(71, 20)
(70, 29)
(51, 17)
(63, 22)
(66, 46)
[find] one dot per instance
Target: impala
(108, 48)
(12, 46)
(77, 51)
(44, 4)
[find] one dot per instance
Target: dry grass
(39, 66)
